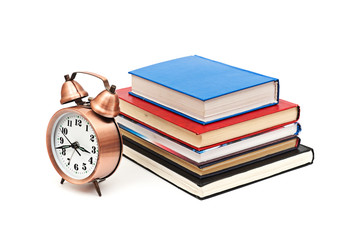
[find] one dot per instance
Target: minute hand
(69, 141)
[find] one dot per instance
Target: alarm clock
(84, 142)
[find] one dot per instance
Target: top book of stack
(204, 90)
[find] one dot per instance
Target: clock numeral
(93, 149)
(61, 139)
(69, 123)
(92, 137)
(76, 167)
(84, 166)
(87, 128)
(64, 131)
(63, 151)
(78, 122)
(69, 160)
(90, 160)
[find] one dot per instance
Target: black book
(225, 181)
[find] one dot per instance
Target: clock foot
(97, 187)
(62, 181)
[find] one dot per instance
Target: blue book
(202, 89)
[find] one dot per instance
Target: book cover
(193, 126)
(214, 79)
(224, 182)
(204, 90)
(220, 166)
(200, 158)
(194, 134)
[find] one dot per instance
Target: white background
(300, 42)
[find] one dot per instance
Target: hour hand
(63, 147)
(83, 149)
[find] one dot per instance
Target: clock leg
(62, 181)
(97, 187)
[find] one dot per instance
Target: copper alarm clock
(84, 142)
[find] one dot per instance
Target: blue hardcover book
(202, 89)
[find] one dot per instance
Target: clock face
(74, 145)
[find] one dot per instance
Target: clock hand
(83, 149)
(65, 136)
(63, 147)
(69, 159)
(69, 142)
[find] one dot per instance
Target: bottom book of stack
(232, 178)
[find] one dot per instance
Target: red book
(201, 136)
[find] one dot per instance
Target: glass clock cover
(74, 145)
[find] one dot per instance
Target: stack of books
(208, 127)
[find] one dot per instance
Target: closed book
(211, 154)
(219, 166)
(226, 181)
(202, 89)
(199, 136)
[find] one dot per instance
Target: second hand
(70, 157)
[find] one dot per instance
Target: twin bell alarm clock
(84, 142)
